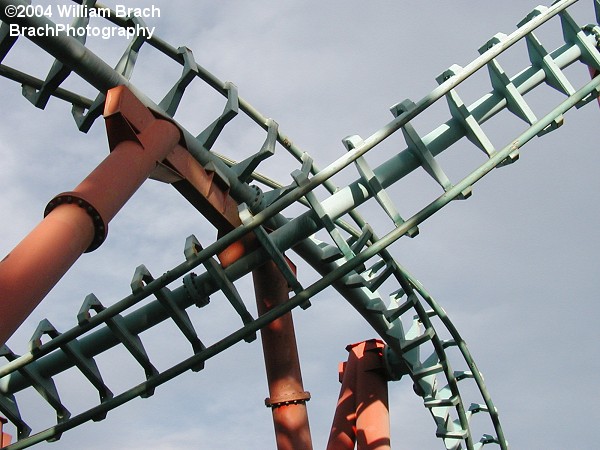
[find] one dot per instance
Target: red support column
(287, 398)
(77, 221)
(594, 73)
(5, 438)
(362, 413)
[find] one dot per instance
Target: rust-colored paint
(235, 251)
(204, 189)
(77, 221)
(362, 414)
(287, 398)
(208, 192)
(5, 438)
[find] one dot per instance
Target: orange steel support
(362, 414)
(287, 398)
(208, 192)
(5, 438)
(76, 222)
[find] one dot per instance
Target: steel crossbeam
(419, 352)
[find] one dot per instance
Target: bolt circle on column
(75, 198)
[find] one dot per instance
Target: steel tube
(283, 238)
(5, 438)
(37, 263)
(362, 413)
(103, 77)
(287, 398)
(301, 227)
(76, 220)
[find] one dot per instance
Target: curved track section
(350, 255)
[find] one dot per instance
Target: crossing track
(351, 256)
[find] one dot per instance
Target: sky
(514, 266)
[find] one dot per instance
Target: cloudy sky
(515, 266)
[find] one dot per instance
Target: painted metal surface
(5, 438)
(77, 221)
(354, 260)
(287, 397)
(361, 417)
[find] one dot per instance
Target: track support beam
(287, 398)
(4, 437)
(362, 414)
(77, 222)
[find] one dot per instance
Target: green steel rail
(355, 261)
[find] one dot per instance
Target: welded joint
(515, 102)
(301, 176)
(370, 278)
(373, 184)
(539, 57)
(84, 120)
(460, 112)
(357, 244)
(40, 97)
(9, 406)
(285, 266)
(45, 387)
(126, 117)
(375, 278)
(502, 84)
(117, 326)
(462, 375)
(127, 62)
(44, 328)
(90, 303)
(208, 137)
(59, 71)
(301, 179)
(230, 291)
(538, 10)
(171, 101)
(411, 344)
(574, 35)
(141, 278)
(87, 366)
(244, 169)
(219, 178)
(192, 247)
(590, 54)
(397, 309)
(420, 149)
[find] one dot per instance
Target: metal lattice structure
(352, 256)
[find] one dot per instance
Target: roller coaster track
(352, 256)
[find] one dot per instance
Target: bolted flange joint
(292, 398)
(75, 198)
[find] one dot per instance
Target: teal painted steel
(356, 261)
